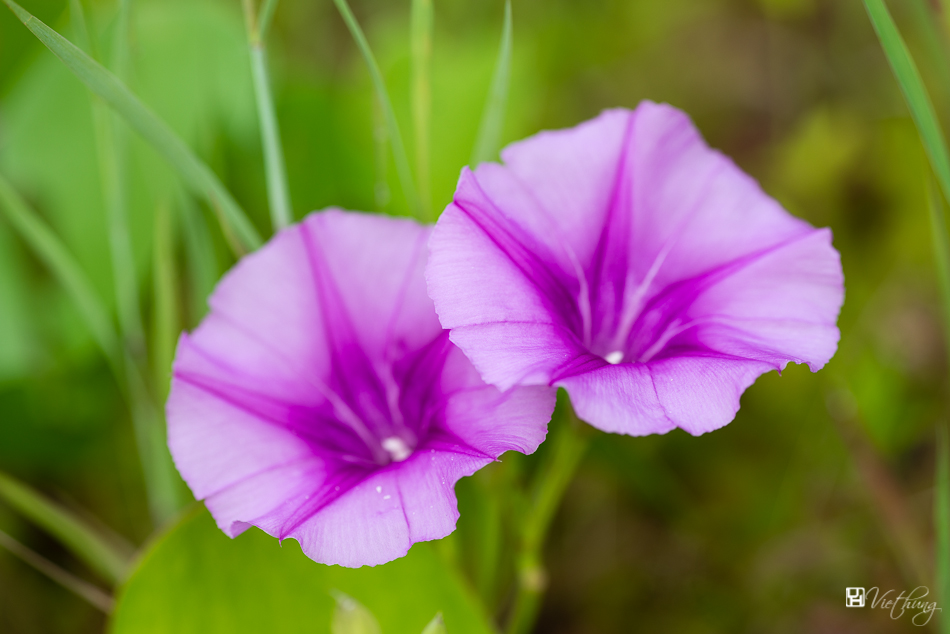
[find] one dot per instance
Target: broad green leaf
(435, 626)
(106, 554)
(195, 173)
(915, 93)
(392, 125)
(488, 142)
(351, 617)
(942, 525)
(422, 23)
(194, 579)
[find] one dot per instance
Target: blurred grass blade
(264, 17)
(941, 246)
(488, 142)
(165, 303)
(159, 476)
(915, 93)
(395, 138)
(196, 174)
(381, 193)
(351, 617)
(435, 626)
(51, 251)
(105, 555)
(278, 193)
(942, 525)
(421, 26)
(71, 582)
(203, 270)
(77, 18)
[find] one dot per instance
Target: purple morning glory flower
(627, 262)
(321, 400)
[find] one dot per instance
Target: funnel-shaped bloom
(321, 400)
(629, 263)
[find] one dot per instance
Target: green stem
(395, 137)
(422, 23)
(278, 192)
(570, 441)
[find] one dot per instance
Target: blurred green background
(822, 482)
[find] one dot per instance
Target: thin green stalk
(915, 93)
(67, 271)
(942, 526)
(422, 24)
(165, 301)
(395, 137)
(941, 247)
(194, 172)
(569, 444)
(106, 555)
(203, 270)
(156, 463)
(488, 141)
(264, 17)
(278, 192)
(94, 595)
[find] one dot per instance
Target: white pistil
(397, 448)
(614, 358)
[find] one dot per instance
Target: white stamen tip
(379, 489)
(397, 448)
(614, 357)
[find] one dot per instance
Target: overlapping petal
(322, 401)
(629, 263)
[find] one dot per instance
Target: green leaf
(105, 554)
(435, 626)
(488, 142)
(422, 23)
(942, 525)
(195, 173)
(351, 617)
(915, 93)
(193, 579)
(395, 137)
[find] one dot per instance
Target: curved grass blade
(435, 626)
(71, 582)
(395, 138)
(915, 93)
(278, 192)
(195, 173)
(108, 556)
(488, 142)
(156, 462)
(67, 271)
(421, 26)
